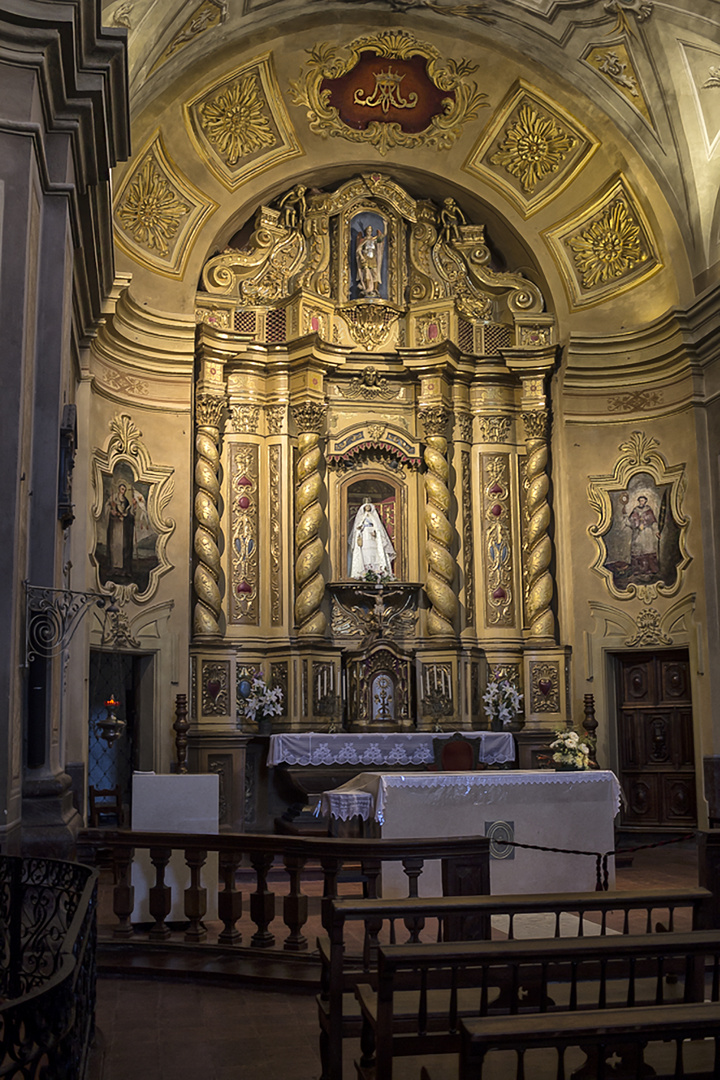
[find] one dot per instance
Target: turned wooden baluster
(371, 869)
(331, 866)
(123, 891)
(230, 899)
(195, 896)
(160, 895)
(590, 724)
(180, 727)
(413, 923)
(262, 902)
(295, 905)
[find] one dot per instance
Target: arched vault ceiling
(646, 76)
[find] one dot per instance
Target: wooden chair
(457, 754)
(105, 803)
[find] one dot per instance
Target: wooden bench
(338, 1012)
(624, 1032)
(423, 990)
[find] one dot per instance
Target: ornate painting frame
(641, 533)
(148, 488)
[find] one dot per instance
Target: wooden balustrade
(264, 854)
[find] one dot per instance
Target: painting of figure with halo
(126, 543)
(643, 541)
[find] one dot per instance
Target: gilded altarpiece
(377, 483)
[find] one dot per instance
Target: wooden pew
(478, 979)
(626, 1032)
(338, 1013)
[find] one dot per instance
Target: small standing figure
(645, 538)
(370, 546)
(293, 206)
(120, 531)
(451, 218)
(369, 250)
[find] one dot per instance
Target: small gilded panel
(531, 150)
(215, 688)
(275, 485)
(497, 540)
(468, 538)
(544, 687)
(239, 124)
(606, 248)
(244, 531)
(158, 212)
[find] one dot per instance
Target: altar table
(347, 748)
(569, 810)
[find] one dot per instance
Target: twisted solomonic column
(442, 568)
(538, 545)
(208, 602)
(309, 549)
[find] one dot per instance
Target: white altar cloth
(568, 810)
(414, 748)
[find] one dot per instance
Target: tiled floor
(179, 1030)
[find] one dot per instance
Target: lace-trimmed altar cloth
(366, 794)
(414, 748)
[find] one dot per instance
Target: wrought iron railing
(48, 916)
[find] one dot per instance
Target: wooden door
(655, 740)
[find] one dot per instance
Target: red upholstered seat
(456, 754)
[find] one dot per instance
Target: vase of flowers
(570, 754)
(503, 704)
(262, 703)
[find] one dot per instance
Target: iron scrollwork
(52, 616)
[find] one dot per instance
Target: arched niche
(388, 494)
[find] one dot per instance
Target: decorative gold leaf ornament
(533, 146)
(605, 248)
(609, 247)
(397, 109)
(151, 212)
(235, 120)
(158, 212)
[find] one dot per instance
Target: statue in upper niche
(369, 250)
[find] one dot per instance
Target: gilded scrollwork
(244, 531)
(464, 422)
(309, 416)
(468, 537)
(215, 688)
(370, 385)
(370, 325)
(328, 62)
(497, 530)
(235, 120)
(495, 428)
(434, 420)
(244, 419)
(274, 417)
(276, 549)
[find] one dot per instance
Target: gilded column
(441, 563)
(208, 602)
(539, 584)
(309, 548)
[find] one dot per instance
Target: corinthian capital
(309, 416)
(434, 419)
(537, 424)
(209, 410)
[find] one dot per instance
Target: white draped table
(415, 748)
(568, 810)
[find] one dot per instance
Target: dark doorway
(655, 739)
(126, 677)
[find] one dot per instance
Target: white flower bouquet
(570, 752)
(502, 701)
(263, 702)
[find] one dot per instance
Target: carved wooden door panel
(655, 740)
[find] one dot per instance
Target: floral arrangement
(502, 701)
(263, 702)
(570, 751)
(378, 577)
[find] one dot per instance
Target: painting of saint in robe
(126, 543)
(368, 257)
(643, 540)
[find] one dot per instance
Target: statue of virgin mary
(370, 545)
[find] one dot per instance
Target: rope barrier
(601, 858)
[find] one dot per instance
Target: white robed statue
(370, 546)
